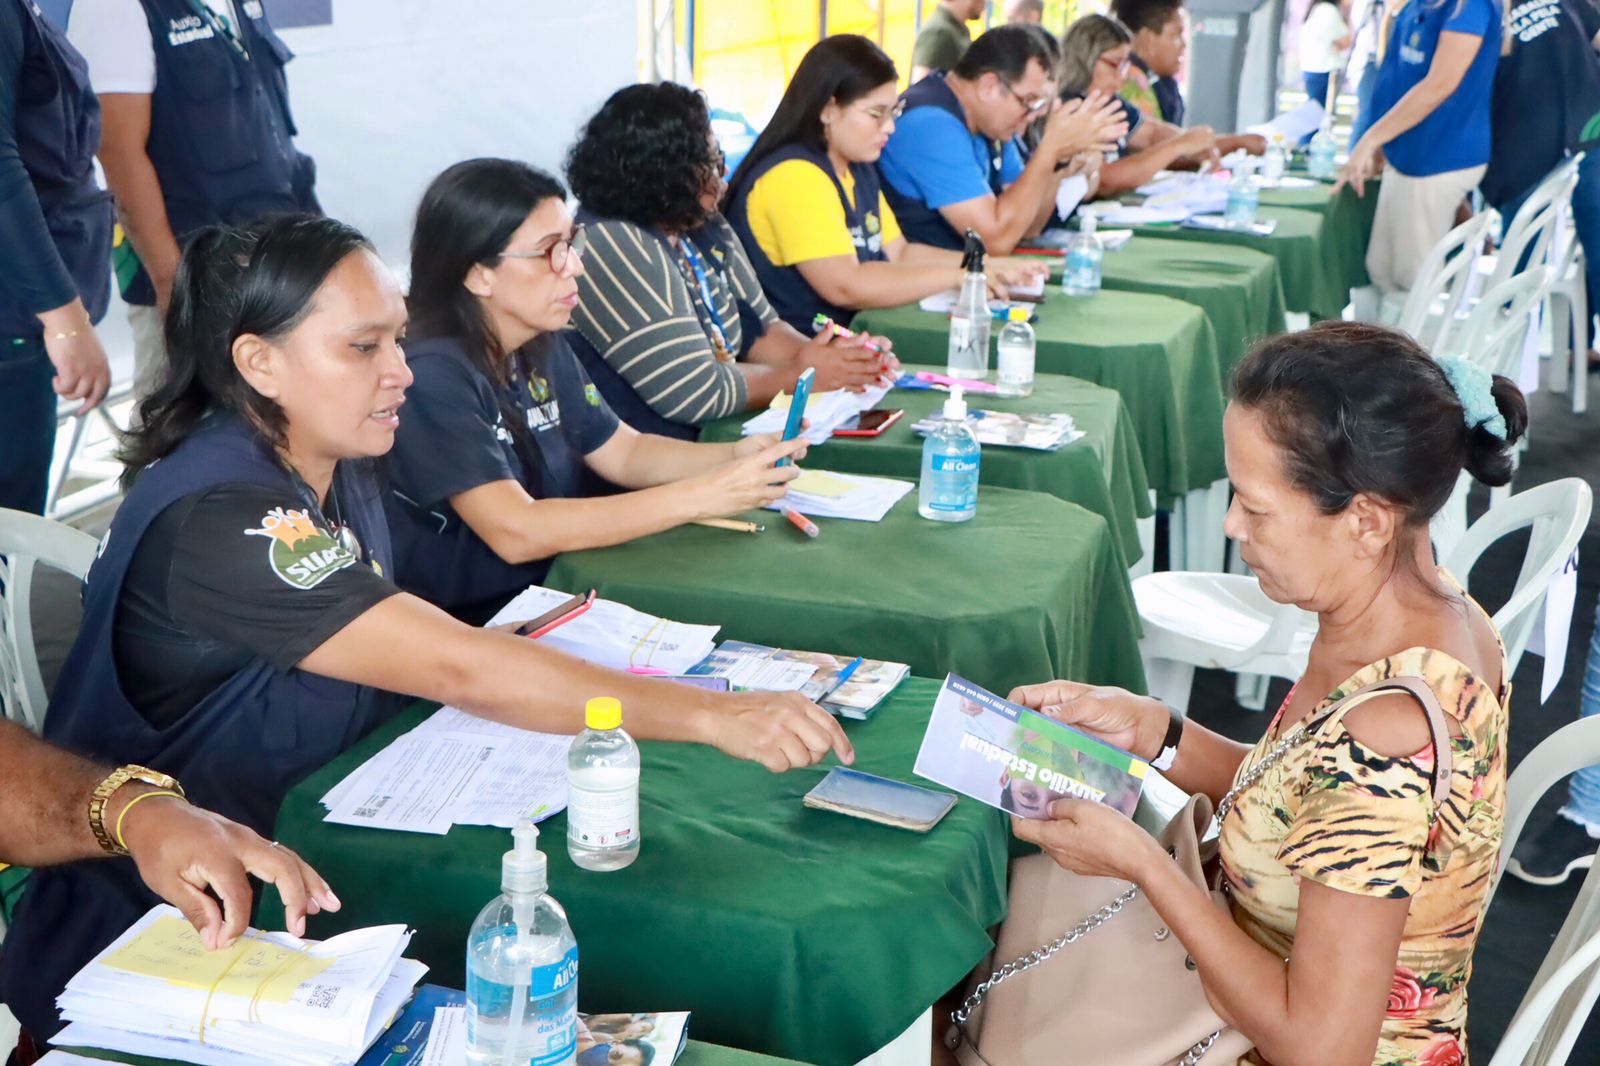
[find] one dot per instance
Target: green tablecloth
(1033, 587)
(785, 930)
(1347, 225)
(694, 1054)
(1103, 472)
(1159, 353)
(1300, 245)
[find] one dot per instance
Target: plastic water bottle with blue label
(1080, 276)
(522, 968)
(1244, 196)
(603, 790)
(1321, 157)
(948, 491)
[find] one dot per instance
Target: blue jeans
(1583, 792)
(27, 423)
(1364, 116)
(1316, 89)
(1586, 218)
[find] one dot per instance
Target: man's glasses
(569, 250)
(885, 115)
(1032, 107)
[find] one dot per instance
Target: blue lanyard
(699, 269)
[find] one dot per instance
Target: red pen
(801, 522)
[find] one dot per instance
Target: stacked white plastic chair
(26, 541)
(1569, 315)
(1431, 305)
(1225, 621)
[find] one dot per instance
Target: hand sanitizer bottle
(949, 488)
(522, 968)
(1016, 354)
(969, 320)
(1244, 196)
(1085, 256)
(1324, 147)
(603, 790)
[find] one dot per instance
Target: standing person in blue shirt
(197, 131)
(502, 423)
(1552, 61)
(955, 159)
(241, 625)
(1433, 93)
(55, 237)
(808, 205)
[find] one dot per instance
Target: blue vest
(920, 223)
(796, 302)
(58, 134)
(221, 134)
(238, 752)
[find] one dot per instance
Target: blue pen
(844, 675)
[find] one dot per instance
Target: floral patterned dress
(1347, 817)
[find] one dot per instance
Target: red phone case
(894, 416)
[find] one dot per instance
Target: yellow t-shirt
(795, 214)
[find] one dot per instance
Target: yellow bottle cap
(603, 712)
(1017, 314)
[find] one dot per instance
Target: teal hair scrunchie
(1475, 387)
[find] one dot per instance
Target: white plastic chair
(25, 541)
(1225, 621)
(1430, 306)
(1558, 1000)
(1569, 313)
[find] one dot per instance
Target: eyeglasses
(885, 115)
(1121, 68)
(568, 250)
(1032, 107)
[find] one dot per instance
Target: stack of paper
(1112, 213)
(614, 634)
(455, 769)
(1261, 227)
(1010, 429)
(1194, 194)
(815, 675)
(825, 412)
(822, 494)
(271, 998)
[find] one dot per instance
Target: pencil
(730, 525)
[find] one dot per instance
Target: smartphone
(880, 799)
(558, 615)
(871, 423)
(797, 408)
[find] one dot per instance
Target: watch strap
(1169, 743)
(107, 788)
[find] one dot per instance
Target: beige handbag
(1131, 996)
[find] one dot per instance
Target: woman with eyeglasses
(808, 204)
(1096, 52)
(671, 322)
(241, 624)
(503, 425)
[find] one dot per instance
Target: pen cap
(1017, 314)
(522, 869)
(603, 712)
(955, 407)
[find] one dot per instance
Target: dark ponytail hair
(259, 279)
(842, 68)
(467, 217)
(1358, 408)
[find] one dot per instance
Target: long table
(1347, 225)
(1032, 587)
(785, 930)
(1103, 472)
(1159, 353)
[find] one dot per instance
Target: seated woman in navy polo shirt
(241, 625)
(502, 423)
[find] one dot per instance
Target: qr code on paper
(322, 996)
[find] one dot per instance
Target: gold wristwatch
(115, 780)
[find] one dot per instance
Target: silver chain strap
(1100, 917)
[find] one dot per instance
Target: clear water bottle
(949, 488)
(1244, 196)
(969, 321)
(1016, 355)
(1275, 162)
(603, 790)
(1324, 147)
(1085, 255)
(522, 968)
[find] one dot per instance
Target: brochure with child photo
(1007, 756)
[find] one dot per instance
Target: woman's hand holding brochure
(1090, 838)
(1136, 724)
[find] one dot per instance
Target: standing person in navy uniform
(808, 205)
(55, 239)
(504, 424)
(197, 131)
(241, 627)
